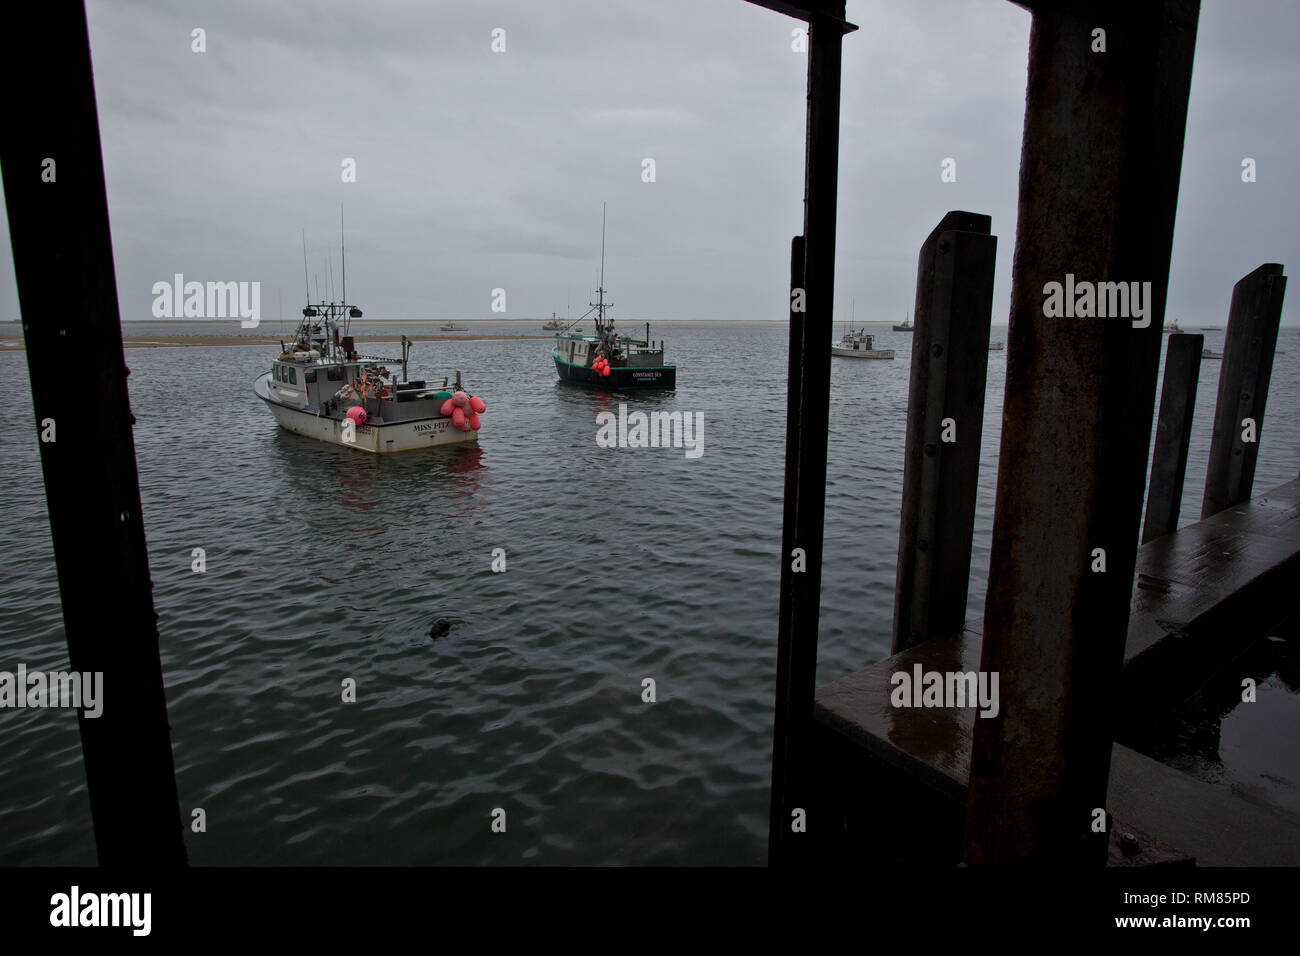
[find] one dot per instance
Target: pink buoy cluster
(464, 410)
(601, 366)
(357, 414)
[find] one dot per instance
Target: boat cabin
(309, 381)
(581, 350)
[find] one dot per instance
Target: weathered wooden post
(1105, 114)
(945, 422)
(1249, 344)
(808, 398)
(1173, 435)
(58, 222)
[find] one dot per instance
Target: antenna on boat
(343, 250)
(599, 304)
(306, 284)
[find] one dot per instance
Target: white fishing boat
(858, 344)
(321, 387)
(1206, 353)
(1171, 327)
(452, 327)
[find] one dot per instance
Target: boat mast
(600, 290)
(600, 305)
(343, 254)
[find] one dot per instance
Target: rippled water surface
(325, 564)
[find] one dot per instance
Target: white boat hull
(862, 353)
(379, 439)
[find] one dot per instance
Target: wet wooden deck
(1203, 594)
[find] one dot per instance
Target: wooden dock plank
(1187, 619)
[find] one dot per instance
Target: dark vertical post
(1249, 344)
(1099, 172)
(58, 222)
(1173, 435)
(945, 422)
(805, 478)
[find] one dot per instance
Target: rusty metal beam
(1099, 174)
(1173, 435)
(58, 222)
(805, 477)
(945, 422)
(1249, 344)
(809, 10)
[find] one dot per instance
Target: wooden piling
(805, 477)
(1249, 344)
(1100, 166)
(63, 260)
(1173, 434)
(945, 422)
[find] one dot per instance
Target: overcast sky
(477, 170)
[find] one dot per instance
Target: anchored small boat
(321, 387)
(997, 346)
(858, 344)
(452, 327)
(1206, 353)
(907, 325)
(608, 360)
(1171, 327)
(553, 325)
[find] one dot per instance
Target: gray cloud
(479, 170)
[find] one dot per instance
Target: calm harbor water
(623, 564)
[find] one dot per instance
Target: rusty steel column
(1099, 172)
(945, 422)
(1173, 435)
(1249, 344)
(805, 477)
(63, 259)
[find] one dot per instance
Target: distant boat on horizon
(907, 325)
(452, 327)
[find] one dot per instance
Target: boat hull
(381, 439)
(618, 379)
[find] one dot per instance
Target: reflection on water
(326, 564)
